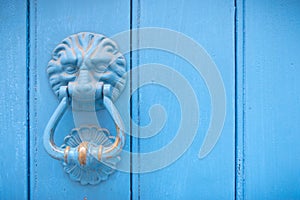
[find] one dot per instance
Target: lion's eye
(100, 68)
(109, 48)
(70, 69)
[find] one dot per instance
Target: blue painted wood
(211, 25)
(13, 106)
(267, 66)
(272, 104)
(50, 23)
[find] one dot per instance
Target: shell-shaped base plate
(87, 174)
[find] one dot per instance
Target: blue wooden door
(247, 49)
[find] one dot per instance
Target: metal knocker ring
(86, 71)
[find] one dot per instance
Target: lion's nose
(83, 67)
(84, 84)
(84, 77)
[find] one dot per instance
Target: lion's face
(87, 51)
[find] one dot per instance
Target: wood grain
(13, 98)
(272, 103)
(212, 25)
(255, 45)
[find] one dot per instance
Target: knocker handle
(103, 152)
(52, 149)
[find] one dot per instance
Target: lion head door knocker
(87, 72)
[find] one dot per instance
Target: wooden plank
(212, 25)
(51, 22)
(272, 68)
(13, 106)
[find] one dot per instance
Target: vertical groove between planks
(28, 94)
(138, 22)
(131, 107)
(236, 99)
(239, 98)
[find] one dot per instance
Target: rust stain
(66, 152)
(114, 145)
(117, 128)
(100, 152)
(82, 152)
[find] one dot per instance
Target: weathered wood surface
(13, 101)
